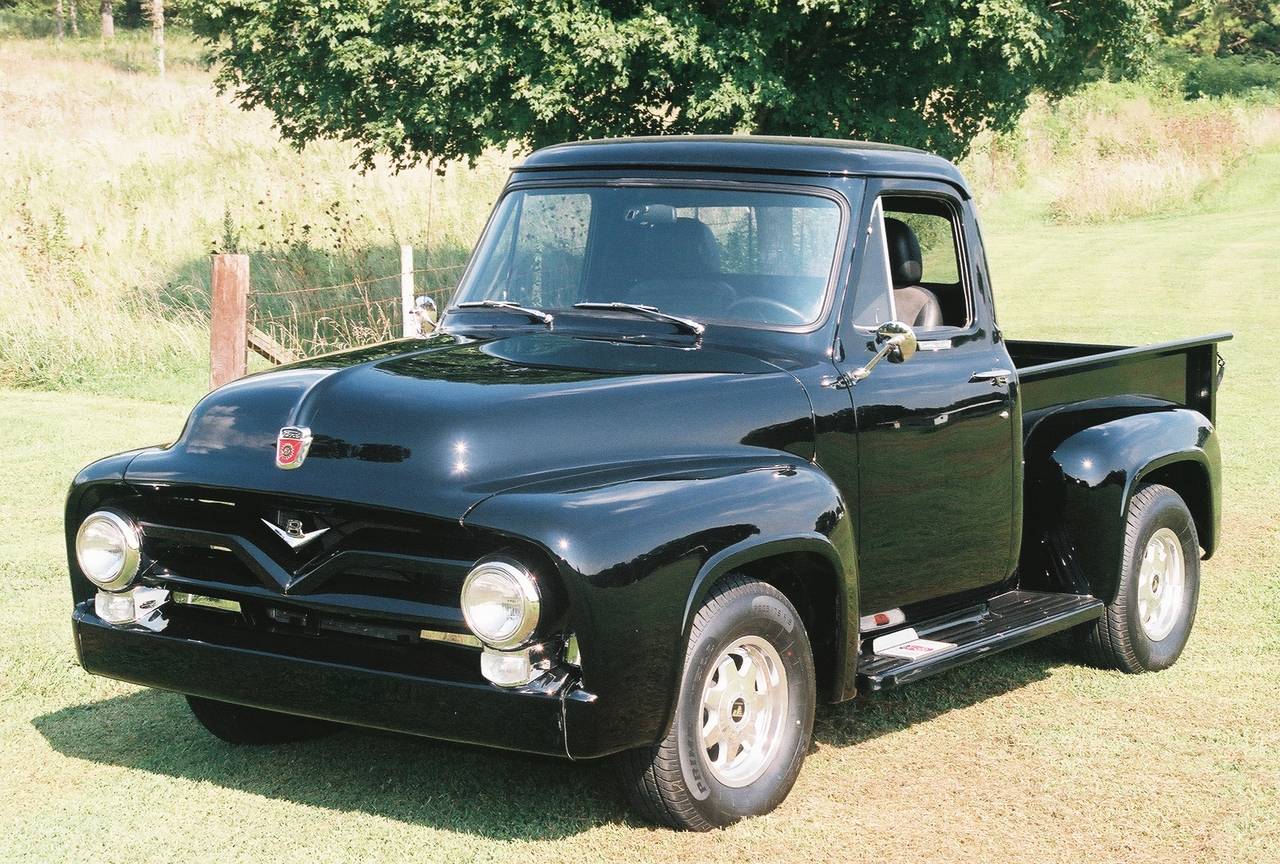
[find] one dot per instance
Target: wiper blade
(697, 328)
(535, 314)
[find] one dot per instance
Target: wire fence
(310, 320)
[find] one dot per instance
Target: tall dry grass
(1117, 151)
(119, 184)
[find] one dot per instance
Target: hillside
(119, 184)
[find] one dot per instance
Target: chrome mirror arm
(898, 344)
(863, 371)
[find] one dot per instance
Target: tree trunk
(58, 19)
(155, 10)
(74, 14)
(108, 20)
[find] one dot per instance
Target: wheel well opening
(809, 582)
(1190, 481)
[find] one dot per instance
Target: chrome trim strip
(188, 599)
(464, 639)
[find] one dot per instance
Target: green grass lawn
(1024, 757)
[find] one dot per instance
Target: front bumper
(552, 717)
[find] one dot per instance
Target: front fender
(637, 556)
(1081, 488)
(90, 486)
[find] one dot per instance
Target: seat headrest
(905, 263)
(685, 247)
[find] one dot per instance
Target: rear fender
(638, 556)
(1079, 488)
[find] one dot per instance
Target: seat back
(915, 305)
(677, 267)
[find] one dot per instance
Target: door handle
(997, 377)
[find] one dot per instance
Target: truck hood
(436, 425)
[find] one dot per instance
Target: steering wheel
(766, 310)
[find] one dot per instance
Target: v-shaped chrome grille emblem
(294, 535)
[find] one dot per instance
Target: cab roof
(747, 153)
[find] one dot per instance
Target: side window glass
(937, 246)
(925, 262)
(872, 298)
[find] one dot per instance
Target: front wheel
(1146, 626)
(743, 719)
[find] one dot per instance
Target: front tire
(240, 724)
(743, 718)
(1147, 624)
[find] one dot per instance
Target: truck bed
(1183, 372)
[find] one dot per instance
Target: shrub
(1232, 76)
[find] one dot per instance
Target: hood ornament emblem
(293, 534)
(292, 445)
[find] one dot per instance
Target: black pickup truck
(712, 429)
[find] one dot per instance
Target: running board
(1008, 620)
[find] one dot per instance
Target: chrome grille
(367, 563)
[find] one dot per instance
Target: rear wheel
(239, 724)
(744, 715)
(1146, 625)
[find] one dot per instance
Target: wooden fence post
(228, 325)
(408, 315)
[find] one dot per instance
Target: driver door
(935, 433)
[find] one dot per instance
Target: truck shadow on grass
(454, 787)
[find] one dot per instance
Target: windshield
(738, 256)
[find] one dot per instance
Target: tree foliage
(1223, 27)
(441, 79)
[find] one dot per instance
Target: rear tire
(240, 724)
(1146, 626)
(743, 719)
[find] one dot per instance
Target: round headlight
(500, 602)
(108, 550)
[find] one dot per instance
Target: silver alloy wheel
(744, 709)
(1162, 581)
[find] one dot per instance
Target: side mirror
(900, 338)
(897, 342)
(427, 313)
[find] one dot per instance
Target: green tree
(1222, 27)
(441, 79)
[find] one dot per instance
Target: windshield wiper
(695, 327)
(535, 314)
